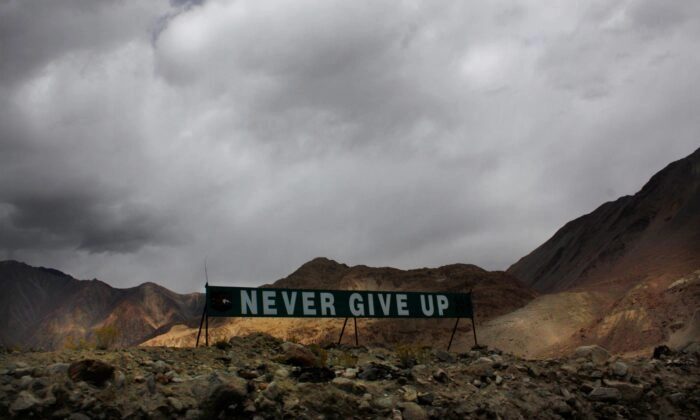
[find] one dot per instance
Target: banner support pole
(356, 341)
(342, 331)
(201, 322)
(454, 330)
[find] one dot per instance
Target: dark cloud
(139, 138)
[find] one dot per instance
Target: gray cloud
(138, 138)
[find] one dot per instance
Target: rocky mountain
(626, 276)
(262, 377)
(654, 233)
(494, 294)
(43, 307)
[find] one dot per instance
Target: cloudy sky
(138, 138)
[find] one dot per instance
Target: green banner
(307, 303)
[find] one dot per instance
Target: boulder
(298, 355)
(94, 372)
(594, 353)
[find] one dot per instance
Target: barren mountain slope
(652, 234)
(494, 293)
(42, 307)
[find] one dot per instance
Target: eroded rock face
(250, 380)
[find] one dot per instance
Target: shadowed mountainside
(42, 307)
(654, 233)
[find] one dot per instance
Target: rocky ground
(258, 376)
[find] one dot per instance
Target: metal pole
(342, 331)
(454, 330)
(356, 341)
(476, 344)
(204, 313)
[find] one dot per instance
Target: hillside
(494, 294)
(42, 307)
(654, 233)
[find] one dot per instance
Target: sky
(139, 139)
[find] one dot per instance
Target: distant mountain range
(627, 276)
(43, 308)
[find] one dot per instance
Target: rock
(594, 353)
(248, 373)
(661, 351)
(441, 376)
(628, 392)
(25, 401)
(413, 411)
(24, 382)
(175, 404)
(227, 397)
(119, 379)
(314, 374)
(94, 372)
(444, 356)
(692, 348)
(619, 369)
(606, 394)
(298, 355)
(409, 394)
(348, 385)
(160, 367)
(426, 398)
(350, 373)
(273, 392)
(385, 403)
(376, 371)
(677, 398)
(78, 416)
(481, 368)
(533, 371)
(57, 368)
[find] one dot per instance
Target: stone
(619, 369)
(160, 367)
(78, 416)
(25, 401)
(409, 394)
(692, 348)
(298, 355)
(441, 376)
(348, 385)
(606, 394)
(175, 404)
(661, 352)
(628, 391)
(225, 396)
(444, 356)
(481, 368)
(385, 403)
(94, 372)
(273, 391)
(413, 411)
(594, 353)
(119, 379)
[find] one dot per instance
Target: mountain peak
(656, 230)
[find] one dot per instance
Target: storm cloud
(139, 138)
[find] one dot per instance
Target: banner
(307, 303)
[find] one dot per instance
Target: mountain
(625, 276)
(654, 233)
(494, 294)
(42, 307)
